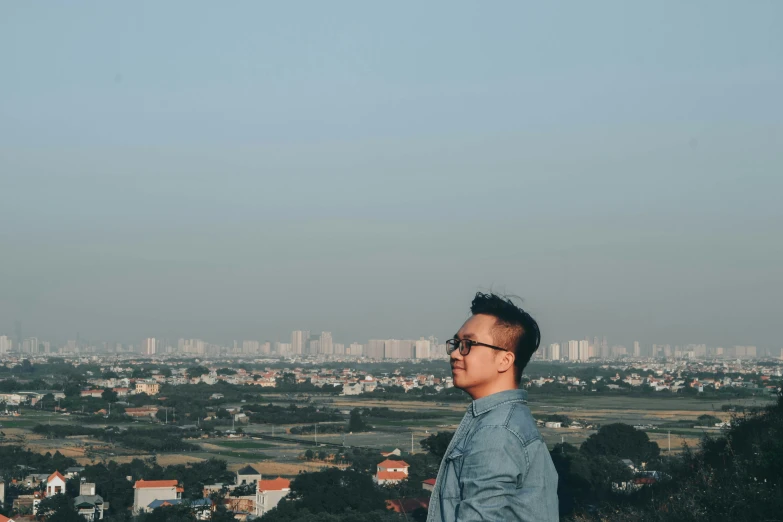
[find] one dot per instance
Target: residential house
(391, 472)
(148, 387)
(247, 475)
(89, 505)
(96, 394)
(55, 484)
(269, 493)
(428, 485)
(4, 518)
(146, 491)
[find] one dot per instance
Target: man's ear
(506, 362)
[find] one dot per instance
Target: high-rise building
(285, 349)
(422, 349)
(376, 349)
(339, 349)
(250, 347)
(266, 348)
(584, 350)
(299, 340)
(356, 349)
(5, 345)
(325, 344)
(148, 347)
(637, 349)
(573, 350)
(554, 352)
(30, 345)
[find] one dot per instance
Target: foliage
(272, 414)
(197, 371)
(12, 458)
(330, 491)
(356, 424)
(437, 443)
(737, 476)
(58, 508)
(623, 441)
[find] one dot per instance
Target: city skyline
(304, 343)
(353, 181)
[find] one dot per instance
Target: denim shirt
(497, 467)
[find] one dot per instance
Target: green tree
(623, 441)
(109, 395)
(197, 371)
(58, 508)
(356, 422)
(437, 443)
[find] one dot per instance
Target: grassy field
(285, 457)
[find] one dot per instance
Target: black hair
(515, 327)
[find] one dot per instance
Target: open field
(285, 457)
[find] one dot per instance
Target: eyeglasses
(464, 346)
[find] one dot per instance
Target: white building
(147, 491)
(554, 352)
(148, 347)
(269, 493)
(422, 349)
(55, 484)
(573, 350)
(391, 472)
(5, 344)
(325, 344)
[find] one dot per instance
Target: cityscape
(304, 343)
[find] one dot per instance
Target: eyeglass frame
(457, 344)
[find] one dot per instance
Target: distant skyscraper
(554, 351)
(250, 347)
(584, 350)
(573, 350)
(5, 344)
(18, 333)
(339, 349)
(325, 344)
(422, 349)
(356, 349)
(148, 347)
(637, 349)
(299, 340)
(30, 345)
(376, 349)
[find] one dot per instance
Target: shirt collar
(490, 402)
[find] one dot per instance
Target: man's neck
(491, 389)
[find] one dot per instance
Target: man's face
(477, 369)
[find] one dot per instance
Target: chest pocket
(451, 488)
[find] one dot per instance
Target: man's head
(502, 339)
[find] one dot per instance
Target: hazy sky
(233, 171)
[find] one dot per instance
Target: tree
(109, 395)
(58, 508)
(623, 441)
(356, 423)
(336, 491)
(437, 443)
(197, 371)
(309, 455)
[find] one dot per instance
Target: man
(497, 467)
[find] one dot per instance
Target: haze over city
(363, 171)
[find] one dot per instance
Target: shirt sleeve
(492, 471)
